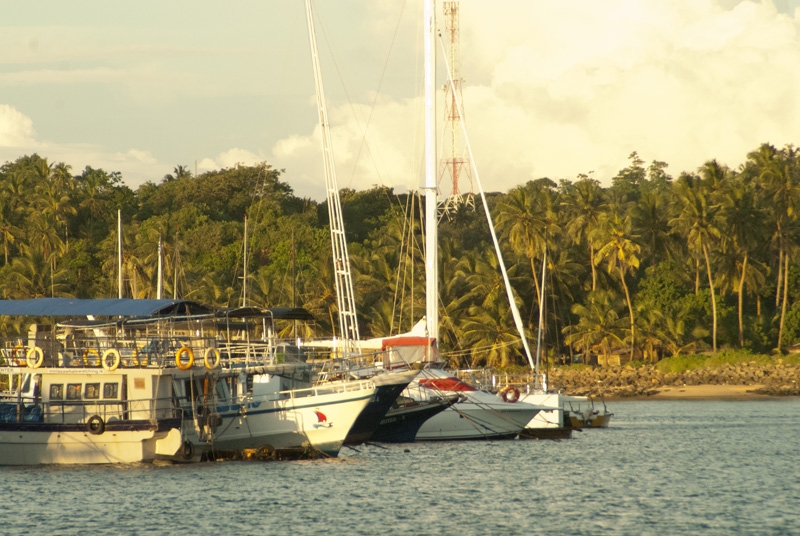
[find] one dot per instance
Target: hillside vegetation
(651, 267)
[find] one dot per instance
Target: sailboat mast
(541, 320)
(119, 253)
(345, 297)
(160, 283)
(431, 231)
(244, 271)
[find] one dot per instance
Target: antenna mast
(454, 164)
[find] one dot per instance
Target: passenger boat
(73, 397)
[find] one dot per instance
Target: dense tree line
(648, 267)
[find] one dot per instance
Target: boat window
(73, 391)
(57, 391)
(110, 390)
(92, 391)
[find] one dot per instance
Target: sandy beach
(717, 392)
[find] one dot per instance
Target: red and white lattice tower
(455, 177)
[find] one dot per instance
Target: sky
(549, 89)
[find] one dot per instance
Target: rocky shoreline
(647, 381)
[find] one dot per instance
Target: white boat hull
(552, 414)
(477, 420)
(320, 418)
(39, 447)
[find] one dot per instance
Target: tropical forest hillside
(652, 266)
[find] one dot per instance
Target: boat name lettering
(18, 370)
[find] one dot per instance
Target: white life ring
(212, 358)
(114, 364)
(35, 351)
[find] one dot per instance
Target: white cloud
(16, 129)
(559, 89)
(551, 89)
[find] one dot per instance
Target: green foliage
(682, 363)
(737, 357)
(660, 242)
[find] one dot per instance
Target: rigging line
(364, 143)
(509, 292)
(397, 288)
(441, 394)
(349, 98)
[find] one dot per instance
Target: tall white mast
(119, 253)
(431, 232)
(345, 298)
(160, 283)
(244, 274)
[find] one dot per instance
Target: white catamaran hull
(477, 420)
(552, 414)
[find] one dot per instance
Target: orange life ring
(87, 353)
(18, 355)
(510, 394)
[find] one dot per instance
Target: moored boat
(406, 416)
(261, 392)
(73, 397)
(581, 412)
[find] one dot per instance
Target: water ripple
(666, 467)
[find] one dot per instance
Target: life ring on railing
(18, 355)
(35, 351)
(211, 358)
(114, 364)
(87, 353)
(510, 394)
(95, 425)
(179, 362)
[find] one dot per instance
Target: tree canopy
(647, 267)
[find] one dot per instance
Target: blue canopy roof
(103, 307)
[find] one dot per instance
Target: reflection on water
(665, 467)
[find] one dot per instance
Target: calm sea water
(663, 467)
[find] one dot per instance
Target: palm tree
(8, 230)
(493, 341)
(744, 219)
(778, 173)
(649, 326)
(620, 253)
(676, 339)
(524, 217)
(697, 222)
(600, 327)
(651, 217)
(584, 204)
